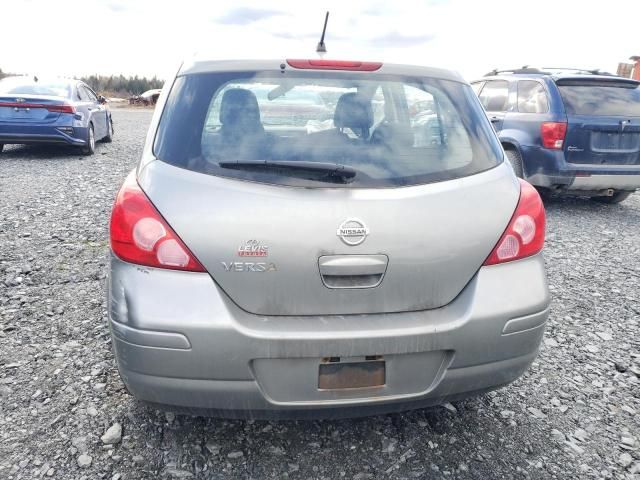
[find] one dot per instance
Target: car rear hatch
(603, 118)
(403, 224)
(32, 108)
(276, 250)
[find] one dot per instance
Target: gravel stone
(536, 412)
(113, 434)
(54, 212)
(558, 436)
(628, 441)
(92, 411)
(84, 461)
(213, 448)
(621, 367)
(625, 459)
(80, 444)
(177, 473)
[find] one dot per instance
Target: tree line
(115, 84)
(122, 85)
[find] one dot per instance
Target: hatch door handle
(352, 271)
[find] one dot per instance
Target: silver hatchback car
(322, 238)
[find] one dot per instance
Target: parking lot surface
(574, 414)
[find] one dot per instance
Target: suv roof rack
(526, 69)
(523, 69)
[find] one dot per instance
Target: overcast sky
(149, 37)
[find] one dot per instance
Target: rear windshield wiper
(315, 170)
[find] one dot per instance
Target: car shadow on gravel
(585, 204)
(463, 440)
(42, 152)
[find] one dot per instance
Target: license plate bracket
(350, 375)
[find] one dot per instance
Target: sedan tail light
(552, 134)
(140, 235)
(525, 234)
(65, 108)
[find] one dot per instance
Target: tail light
(552, 134)
(62, 108)
(140, 235)
(334, 65)
(525, 234)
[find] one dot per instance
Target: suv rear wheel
(615, 198)
(516, 162)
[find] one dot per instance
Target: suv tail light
(525, 234)
(553, 134)
(140, 235)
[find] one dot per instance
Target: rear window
(300, 128)
(27, 86)
(600, 98)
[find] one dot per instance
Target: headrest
(353, 111)
(393, 135)
(239, 106)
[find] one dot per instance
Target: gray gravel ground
(575, 414)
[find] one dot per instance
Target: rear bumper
(598, 182)
(548, 168)
(180, 341)
(35, 134)
(244, 399)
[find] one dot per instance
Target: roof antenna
(321, 49)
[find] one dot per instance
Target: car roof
(562, 75)
(595, 77)
(204, 65)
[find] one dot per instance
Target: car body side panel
(98, 114)
(88, 110)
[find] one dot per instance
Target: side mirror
(101, 100)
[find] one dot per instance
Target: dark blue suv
(571, 131)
